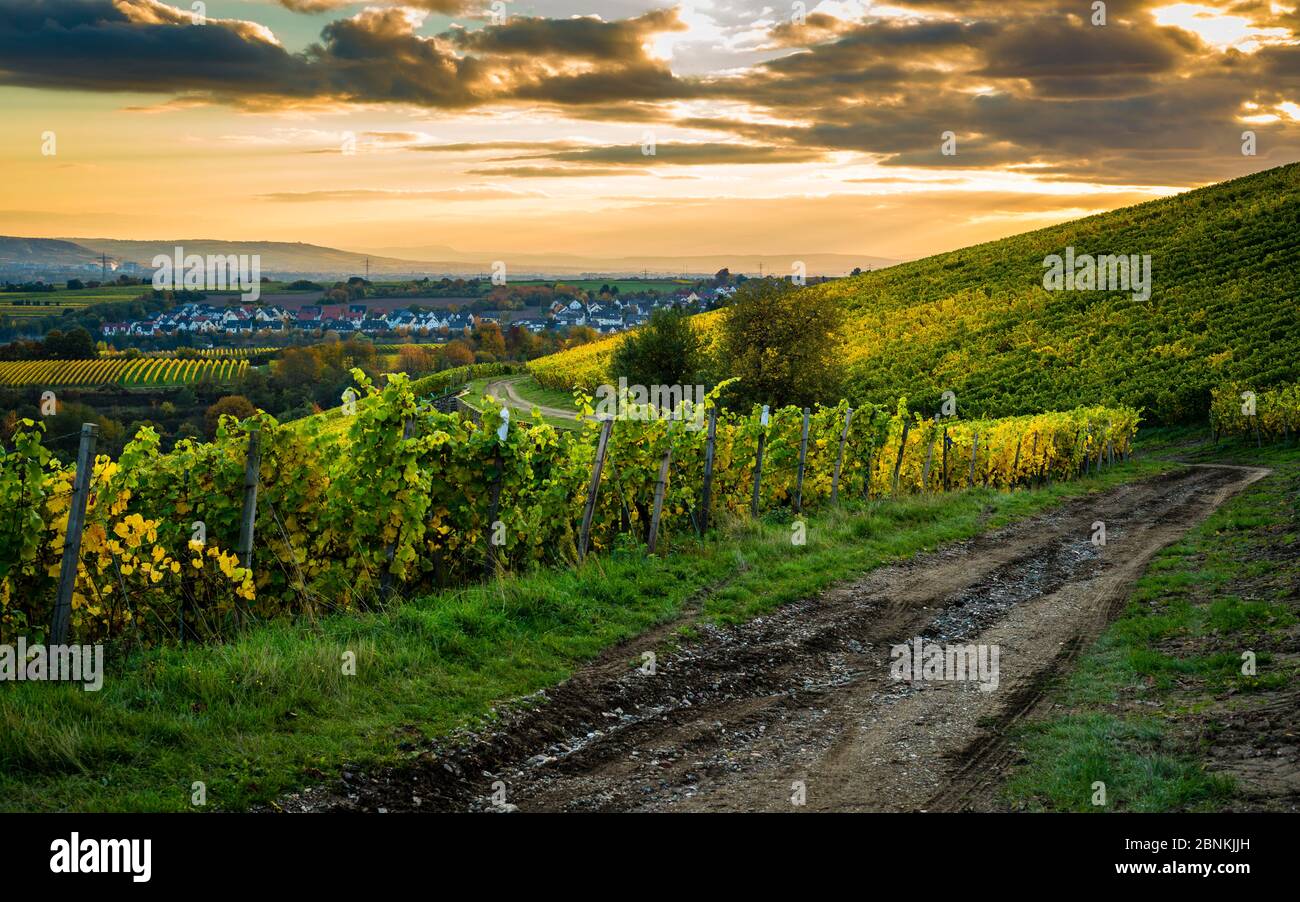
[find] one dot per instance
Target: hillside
(277, 256)
(49, 251)
(978, 321)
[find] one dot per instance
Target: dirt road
(504, 390)
(741, 717)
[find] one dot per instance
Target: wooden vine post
(839, 457)
(386, 579)
(661, 485)
(758, 461)
(902, 446)
(494, 504)
(709, 450)
(592, 490)
(929, 457)
(72, 538)
(803, 461)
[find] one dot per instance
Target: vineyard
(206, 353)
(1270, 415)
(978, 321)
(141, 371)
(425, 498)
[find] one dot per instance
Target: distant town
(604, 316)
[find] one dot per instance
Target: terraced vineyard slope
(978, 321)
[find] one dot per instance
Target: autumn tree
(458, 353)
(784, 344)
(234, 405)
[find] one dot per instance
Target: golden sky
(526, 127)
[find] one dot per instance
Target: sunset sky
(523, 130)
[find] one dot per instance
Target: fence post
(660, 487)
(1015, 463)
(758, 460)
(902, 445)
(708, 469)
(72, 538)
(945, 458)
(1033, 451)
(494, 505)
(839, 458)
(803, 460)
(386, 581)
(592, 489)
(929, 456)
(974, 453)
(252, 466)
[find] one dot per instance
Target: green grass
(272, 711)
(527, 389)
(1129, 707)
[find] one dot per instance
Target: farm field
(142, 371)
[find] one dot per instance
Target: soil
(798, 710)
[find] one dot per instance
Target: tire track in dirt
(732, 719)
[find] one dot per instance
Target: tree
(490, 340)
(665, 351)
(783, 343)
(458, 353)
(73, 345)
(234, 405)
(581, 335)
(416, 360)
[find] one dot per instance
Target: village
(605, 316)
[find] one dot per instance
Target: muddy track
(739, 717)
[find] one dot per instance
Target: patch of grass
(273, 710)
(1219, 591)
(1069, 755)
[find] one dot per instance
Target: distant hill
(433, 260)
(277, 256)
(817, 264)
(45, 251)
(1224, 307)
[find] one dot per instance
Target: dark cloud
(375, 56)
(448, 7)
(681, 154)
(581, 38)
(1030, 85)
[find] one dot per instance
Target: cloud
(682, 154)
(369, 194)
(375, 56)
(1031, 86)
(551, 172)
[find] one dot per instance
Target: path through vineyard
(504, 391)
(735, 716)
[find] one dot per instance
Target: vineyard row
(172, 548)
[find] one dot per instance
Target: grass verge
(273, 710)
(1160, 710)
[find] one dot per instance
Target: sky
(614, 128)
